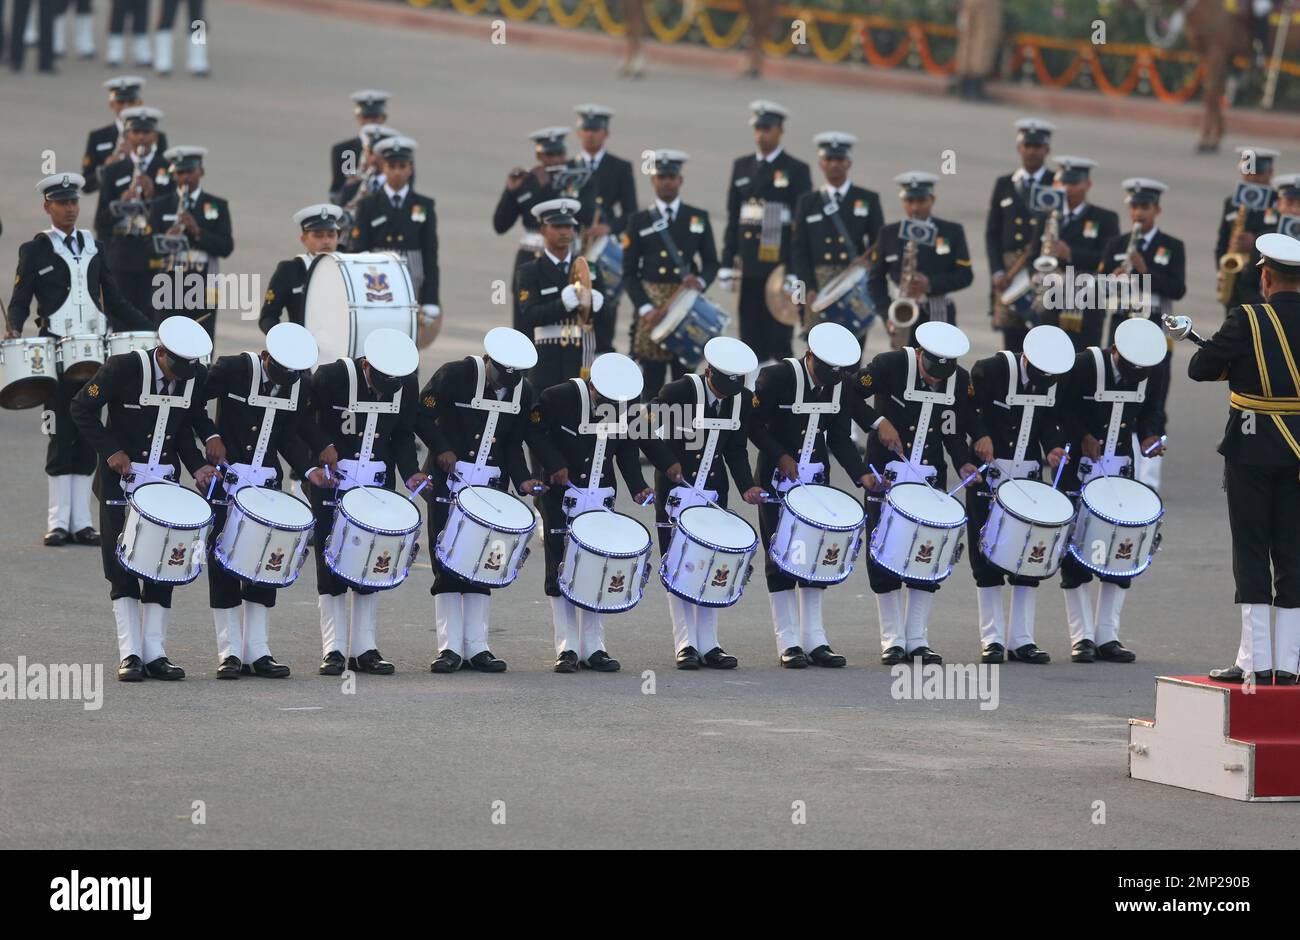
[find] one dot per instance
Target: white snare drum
(818, 534)
(350, 295)
(129, 341)
(373, 541)
(26, 372)
(606, 561)
(919, 534)
(710, 557)
(1028, 528)
(266, 536)
(80, 355)
(1118, 529)
(486, 536)
(166, 533)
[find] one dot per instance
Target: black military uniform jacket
(776, 430)
(44, 275)
(1087, 233)
(685, 446)
(294, 435)
(613, 184)
(1010, 225)
(885, 377)
(782, 179)
(446, 422)
(100, 145)
(380, 226)
(1272, 439)
(946, 263)
(646, 257)
(394, 433)
(129, 252)
(287, 293)
(517, 204)
(130, 425)
(1079, 413)
(542, 313)
(816, 240)
(1246, 290)
(559, 444)
(1166, 263)
(1002, 420)
(212, 216)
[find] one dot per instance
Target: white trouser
(197, 54)
(230, 636)
(476, 607)
(1024, 600)
(564, 617)
(591, 632)
(59, 502)
(59, 40)
(85, 35)
(1256, 651)
(683, 614)
(917, 631)
(162, 51)
(80, 518)
(126, 611)
(449, 618)
(1286, 639)
(153, 620)
(811, 630)
(365, 622)
(1078, 614)
(1146, 469)
(142, 50)
(889, 606)
(785, 619)
(993, 625)
(706, 628)
(333, 623)
(116, 51)
(1110, 602)
(256, 622)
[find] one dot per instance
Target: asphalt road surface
(709, 759)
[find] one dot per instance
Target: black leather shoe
(688, 658)
(566, 662)
(56, 537)
(447, 662)
(601, 661)
(370, 661)
(928, 656)
(827, 657)
(993, 654)
(229, 668)
(1085, 651)
(1029, 653)
(1284, 678)
(1236, 675)
(332, 664)
(87, 536)
(794, 658)
(130, 670)
(1114, 652)
(486, 662)
(268, 668)
(892, 656)
(718, 658)
(163, 668)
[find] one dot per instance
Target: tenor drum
(690, 322)
(373, 541)
(919, 534)
(606, 561)
(1028, 528)
(26, 372)
(266, 536)
(710, 557)
(80, 355)
(129, 341)
(165, 534)
(350, 296)
(1118, 528)
(818, 533)
(486, 536)
(845, 300)
(606, 253)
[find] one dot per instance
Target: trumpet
(904, 311)
(182, 207)
(1232, 262)
(1114, 304)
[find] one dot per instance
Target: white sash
(814, 410)
(1117, 399)
(152, 471)
(253, 473)
(479, 473)
(928, 400)
(361, 470)
(713, 425)
(593, 495)
(1028, 403)
(78, 313)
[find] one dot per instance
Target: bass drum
(350, 296)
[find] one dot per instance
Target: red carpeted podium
(1216, 738)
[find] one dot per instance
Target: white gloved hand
(727, 278)
(569, 296)
(597, 301)
(429, 313)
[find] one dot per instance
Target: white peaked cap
(510, 348)
(942, 340)
(292, 346)
(834, 345)
(184, 338)
(392, 352)
(730, 356)
(1141, 342)
(616, 376)
(1049, 348)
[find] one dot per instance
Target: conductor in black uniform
(108, 144)
(1084, 230)
(286, 295)
(1256, 166)
(370, 107)
(761, 197)
(1255, 351)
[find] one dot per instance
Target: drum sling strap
(494, 408)
(151, 471)
(1011, 469)
(372, 410)
(831, 209)
(593, 495)
(1117, 399)
(253, 473)
(661, 226)
(1279, 378)
(77, 313)
(714, 426)
(928, 399)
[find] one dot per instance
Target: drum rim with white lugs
(636, 581)
(1060, 526)
(411, 545)
(299, 554)
(1080, 525)
(745, 554)
(520, 549)
(136, 504)
(853, 546)
(892, 503)
(343, 336)
(73, 339)
(151, 335)
(47, 379)
(828, 526)
(665, 327)
(839, 287)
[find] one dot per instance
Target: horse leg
(1215, 63)
(759, 26)
(633, 57)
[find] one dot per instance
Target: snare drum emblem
(1125, 550)
(177, 556)
(493, 562)
(276, 561)
(832, 556)
(616, 583)
(382, 563)
(377, 286)
(925, 554)
(1038, 553)
(720, 577)
(38, 360)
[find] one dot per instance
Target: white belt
(556, 332)
(752, 214)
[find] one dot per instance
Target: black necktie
(71, 242)
(564, 267)
(397, 202)
(668, 213)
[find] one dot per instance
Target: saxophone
(1232, 262)
(904, 311)
(1125, 271)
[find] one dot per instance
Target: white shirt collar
(77, 240)
(558, 261)
(665, 207)
(195, 193)
(1146, 237)
(401, 195)
(840, 192)
(770, 157)
(1078, 210)
(593, 159)
(144, 161)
